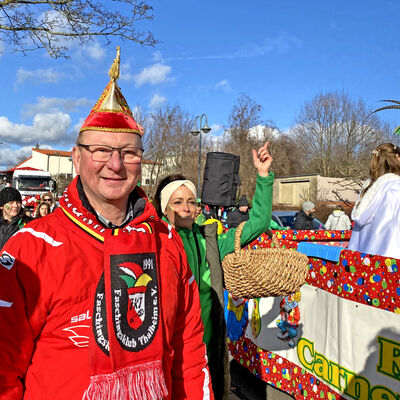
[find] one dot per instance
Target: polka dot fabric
(368, 279)
(279, 372)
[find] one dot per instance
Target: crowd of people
(14, 216)
(105, 295)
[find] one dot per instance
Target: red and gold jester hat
(111, 113)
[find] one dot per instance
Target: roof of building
(53, 152)
(20, 169)
(17, 166)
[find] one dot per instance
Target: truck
(31, 183)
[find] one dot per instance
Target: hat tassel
(113, 73)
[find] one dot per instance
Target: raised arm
(262, 160)
(260, 213)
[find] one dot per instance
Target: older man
(97, 300)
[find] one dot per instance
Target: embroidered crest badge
(135, 302)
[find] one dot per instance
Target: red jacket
(49, 272)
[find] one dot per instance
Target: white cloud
(95, 51)
(216, 129)
(218, 137)
(46, 128)
(280, 43)
(224, 86)
(49, 75)
(54, 104)
(125, 72)
(156, 73)
(76, 128)
(9, 156)
(157, 101)
(55, 19)
(157, 57)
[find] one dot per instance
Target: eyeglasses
(102, 153)
(46, 199)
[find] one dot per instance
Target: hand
(262, 160)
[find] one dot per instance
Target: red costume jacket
(50, 274)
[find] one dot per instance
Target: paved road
(271, 394)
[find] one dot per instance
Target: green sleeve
(276, 227)
(259, 217)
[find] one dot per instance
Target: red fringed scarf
(126, 345)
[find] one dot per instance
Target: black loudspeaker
(221, 179)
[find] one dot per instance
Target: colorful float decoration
(337, 339)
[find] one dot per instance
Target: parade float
(32, 183)
(338, 337)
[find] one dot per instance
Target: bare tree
(337, 134)
(52, 25)
(63, 180)
(244, 136)
(169, 144)
(285, 152)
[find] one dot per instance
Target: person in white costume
(338, 220)
(376, 213)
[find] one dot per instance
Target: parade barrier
(339, 339)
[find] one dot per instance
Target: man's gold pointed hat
(111, 113)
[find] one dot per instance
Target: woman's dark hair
(384, 160)
(157, 195)
(41, 204)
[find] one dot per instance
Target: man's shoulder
(300, 214)
(233, 212)
(166, 232)
(50, 228)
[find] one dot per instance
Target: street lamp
(197, 131)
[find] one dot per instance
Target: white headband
(167, 191)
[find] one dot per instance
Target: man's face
(11, 210)
(243, 209)
(107, 182)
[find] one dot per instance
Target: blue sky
(280, 54)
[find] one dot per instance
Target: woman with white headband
(175, 202)
(376, 213)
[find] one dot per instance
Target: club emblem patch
(7, 260)
(135, 302)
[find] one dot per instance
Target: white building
(293, 190)
(57, 162)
